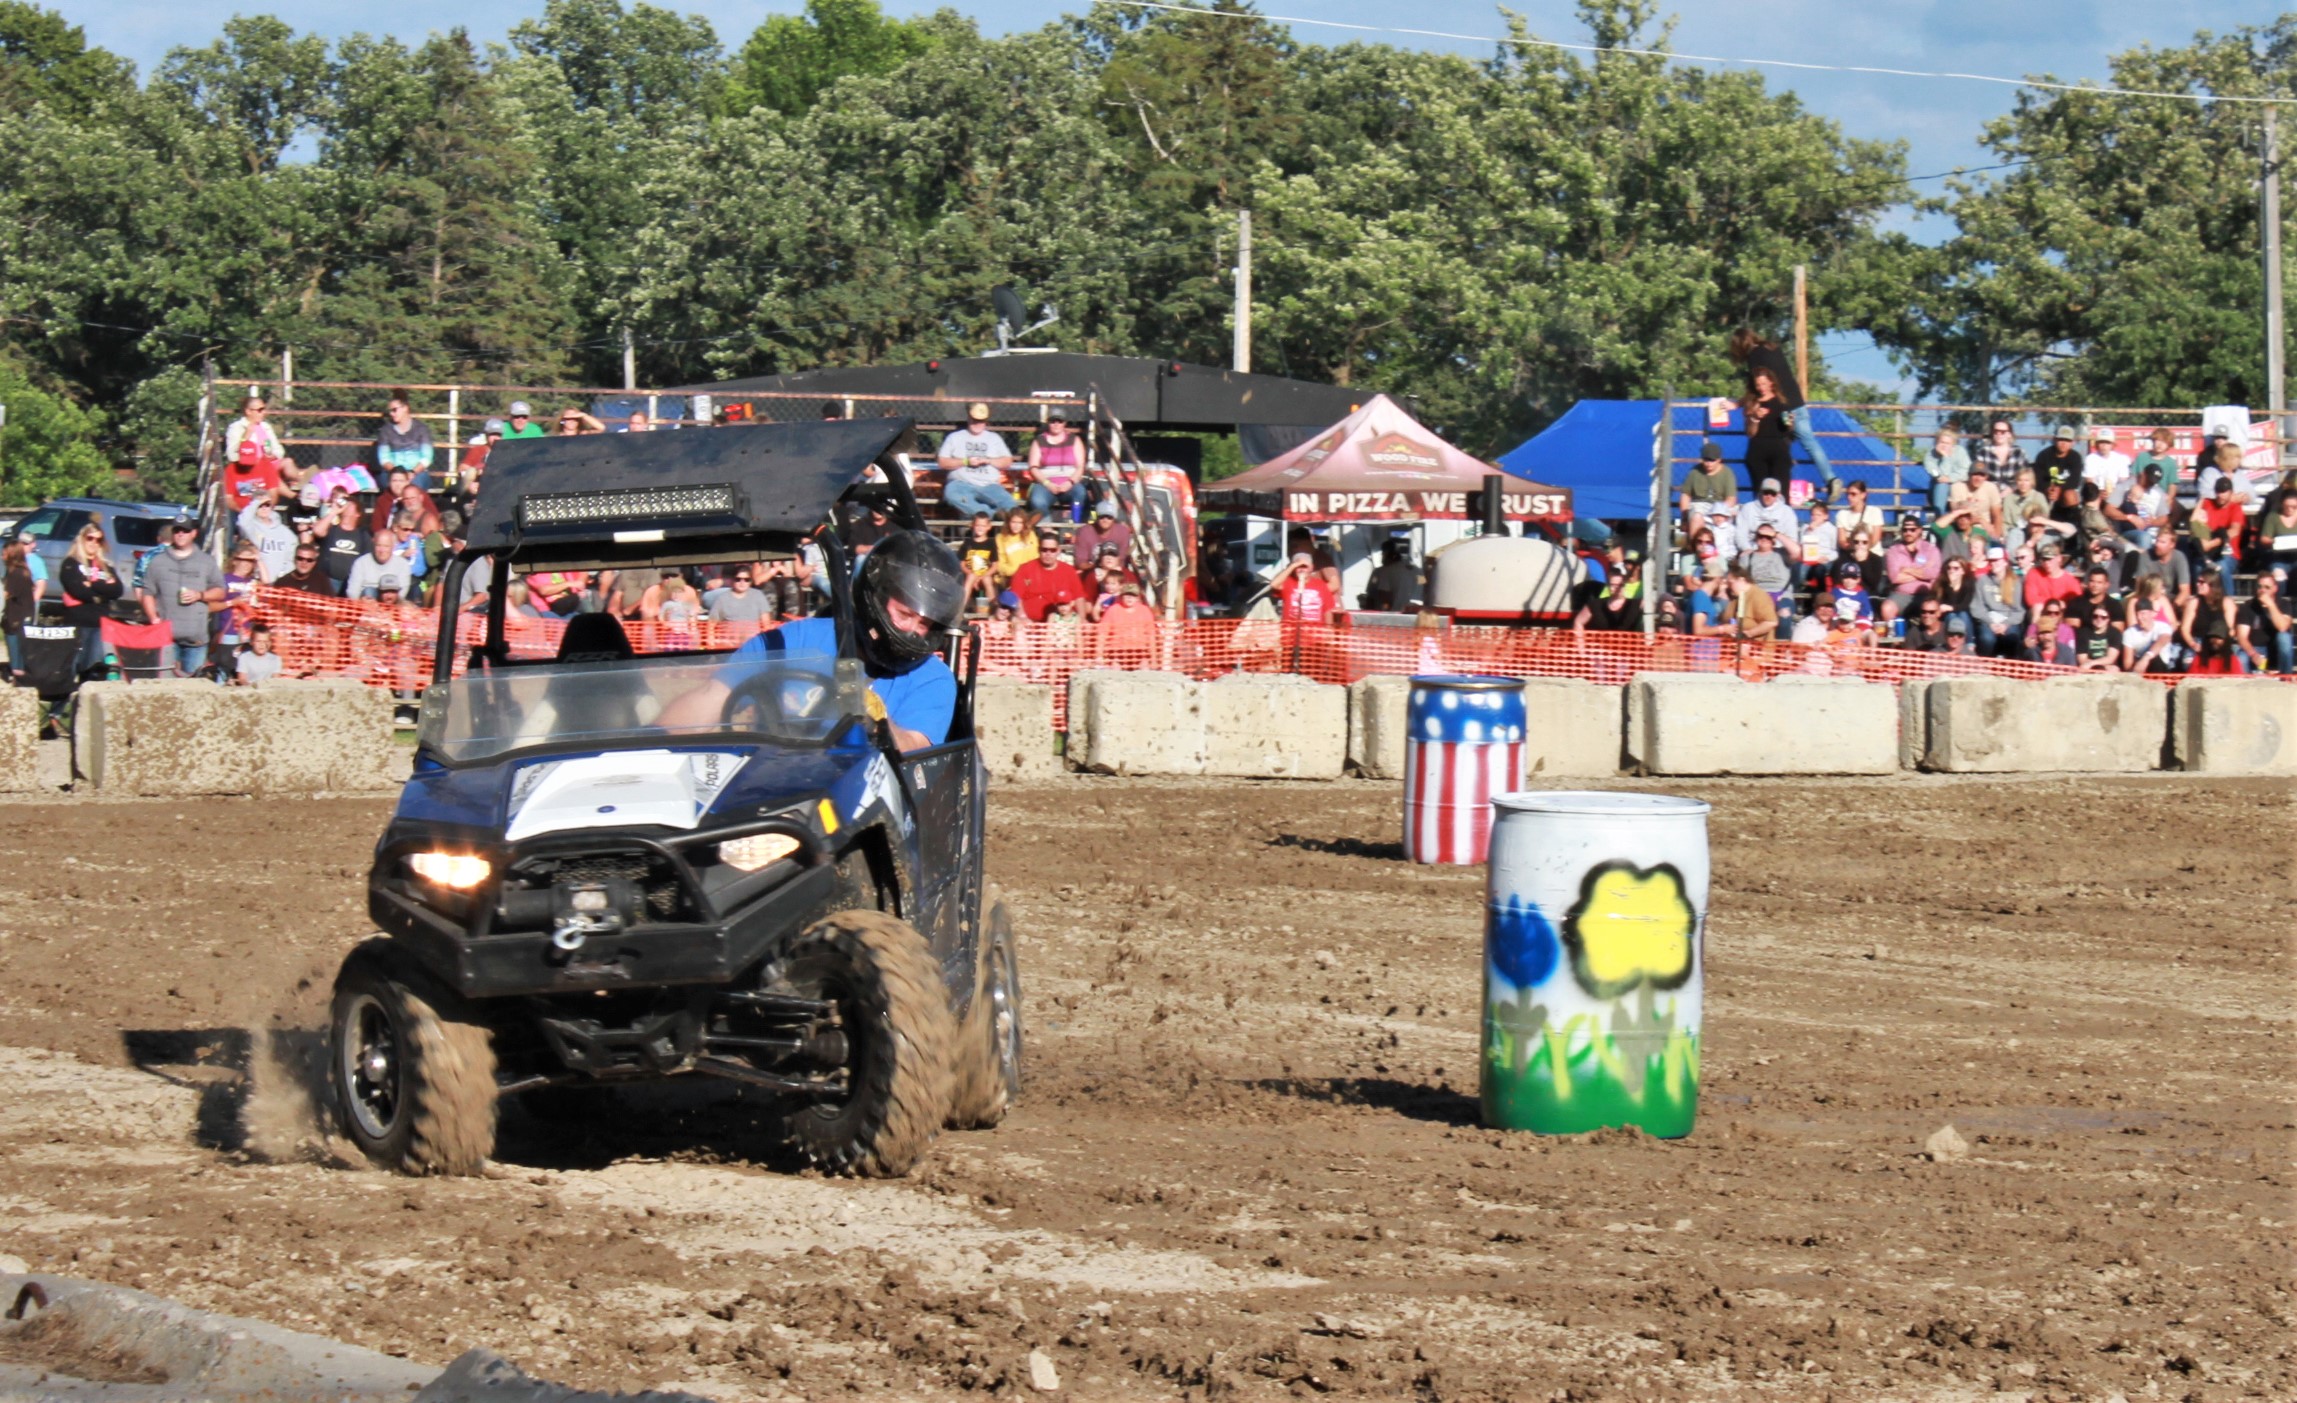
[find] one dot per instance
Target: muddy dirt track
(1248, 1162)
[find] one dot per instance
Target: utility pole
(1802, 328)
(1241, 357)
(2276, 391)
(287, 375)
(629, 361)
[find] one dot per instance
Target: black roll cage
(893, 494)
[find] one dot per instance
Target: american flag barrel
(1463, 744)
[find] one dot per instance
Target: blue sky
(1939, 119)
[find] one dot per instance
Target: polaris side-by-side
(577, 890)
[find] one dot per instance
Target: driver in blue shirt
(907, 593)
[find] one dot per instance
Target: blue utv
(576, 892)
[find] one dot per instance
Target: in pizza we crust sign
(1302, 505)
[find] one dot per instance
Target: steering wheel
(775, 692)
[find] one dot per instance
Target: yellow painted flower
(1631, 926)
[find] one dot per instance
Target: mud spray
(286, 1115)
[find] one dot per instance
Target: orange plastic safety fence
(391, 646)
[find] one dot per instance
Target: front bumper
(709, 931)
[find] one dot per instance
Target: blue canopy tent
(1601, 450)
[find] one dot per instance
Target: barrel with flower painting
(1594, 957)
(1463, 743)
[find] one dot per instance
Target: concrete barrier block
(1994, 725)
(1379, 712)
(1143, 723)
(2234, 726)
(1913, 723)
(1701, 725)
(1571, 728)
(1080, 719)
(1274, 725)
(333, 736)
(19, 740)
(169, 738)
(1013, 723)
(1635, 730)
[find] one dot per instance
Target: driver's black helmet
(921, 572)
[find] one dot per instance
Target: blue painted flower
(1524, 947)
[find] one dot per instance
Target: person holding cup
(183, 587)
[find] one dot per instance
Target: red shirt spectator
(2051, 581)
(1046, 584)
(1307, 598)
(2225, 517)
(250, 479)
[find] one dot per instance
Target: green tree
(604, 99)
(437, 268)
(260, 81)
(790, 61)
(2119, 263)
(1199, 106)
(43, 59)
(48, 446)
(1504, 239)
(872, 228)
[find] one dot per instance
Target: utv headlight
(751, 853)
(457, 871)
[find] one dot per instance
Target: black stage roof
(1148, 395)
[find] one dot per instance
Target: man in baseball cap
(975, 459)
(1771, 510)
(2058, 468)
(522, 423)
(2106, 466)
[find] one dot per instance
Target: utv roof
(778, 481)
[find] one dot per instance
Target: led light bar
(628, 504)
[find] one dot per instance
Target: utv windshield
(648, 701)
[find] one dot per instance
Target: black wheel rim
(820, 976)
(1005, 1010)
(370, 1071)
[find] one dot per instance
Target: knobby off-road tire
(989, 1046)
(900, 1038)
(413, 1074)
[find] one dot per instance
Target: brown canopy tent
(1379, 464)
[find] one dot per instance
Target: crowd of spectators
(2085, 559)
(2072, 558)
(1040, 548)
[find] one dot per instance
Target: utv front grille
(665, 897)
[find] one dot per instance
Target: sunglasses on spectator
(741, 579)
(305, 556)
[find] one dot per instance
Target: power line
(1865, 69)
